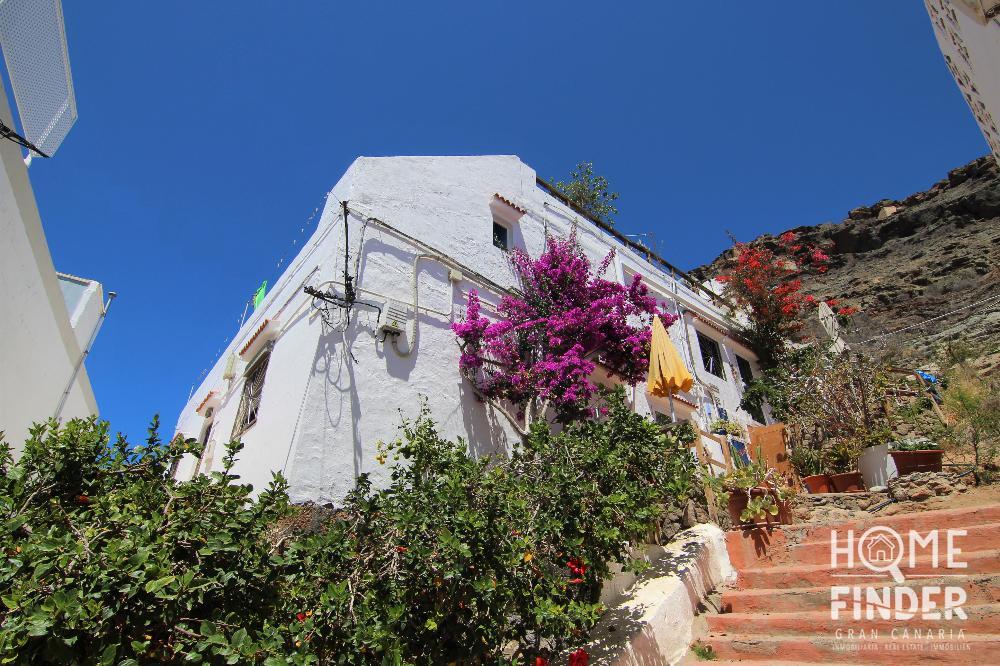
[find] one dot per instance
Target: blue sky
(209, 131)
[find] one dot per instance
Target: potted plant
(808, 464)
(725, 427)
(918, 454)
(842, 461)
(758, 495)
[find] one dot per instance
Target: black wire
(8, 133)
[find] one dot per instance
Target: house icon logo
(880, 549)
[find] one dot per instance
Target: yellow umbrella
(667, 373)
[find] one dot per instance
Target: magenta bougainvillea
(565, 321)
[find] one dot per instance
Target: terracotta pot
(848, 482)
(817, 483)
(908, 462)
(738, 502)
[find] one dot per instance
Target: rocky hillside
(903, 262)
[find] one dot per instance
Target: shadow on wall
(317, 466)
(486, 428)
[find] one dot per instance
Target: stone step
(777, 545)
(743, 648)
(817, 575)
(921, 522)
(979, 619)
(978, 537)
(984, 589)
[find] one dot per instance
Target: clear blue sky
(209, 131)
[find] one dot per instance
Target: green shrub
(108, 560)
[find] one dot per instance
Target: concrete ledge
(652, 624)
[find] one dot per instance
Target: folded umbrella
(667, 372)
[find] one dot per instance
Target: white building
(47, 320)
(310, 393)
(968, 32)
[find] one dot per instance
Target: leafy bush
(108, 560)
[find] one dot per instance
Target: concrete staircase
(779, 611)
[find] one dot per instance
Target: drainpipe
(84, 354)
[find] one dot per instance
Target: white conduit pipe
(411, 327)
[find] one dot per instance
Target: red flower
(401, 549)
(847, 312)
(541, 661)
(576, 566)
(301, 617)
(810, 299)
(579, 658)
(82, 499)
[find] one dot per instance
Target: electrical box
(394, 317)
(230, 370)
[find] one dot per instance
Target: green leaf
(160, 583)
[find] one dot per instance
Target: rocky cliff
(904, 262)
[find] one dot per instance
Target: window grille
(711, 355)
(501, 236)
(253, 387)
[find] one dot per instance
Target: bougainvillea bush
(108, 560)
(563, 322)
(762, 283)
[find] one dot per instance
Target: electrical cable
(927, 321)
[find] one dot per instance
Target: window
(746, 373)
(203, 461)
(711, 355)
(501, 236)
(253, 386)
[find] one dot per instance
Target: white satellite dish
(33, 37)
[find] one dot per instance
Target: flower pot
(817, 483)
(908, 462)
(848, 482)
(738, 502)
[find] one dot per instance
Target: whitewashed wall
(39, 343)
(970, 44)
(331, 395)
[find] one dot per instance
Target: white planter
(877, 466)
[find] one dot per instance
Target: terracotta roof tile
(254, 336)
(204, 402)
(510, 203)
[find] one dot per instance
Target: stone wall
(922, 486)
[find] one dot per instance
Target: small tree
(590, 193)
(762, 283)
(836, 401)
(974, 404)
(565, 321)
